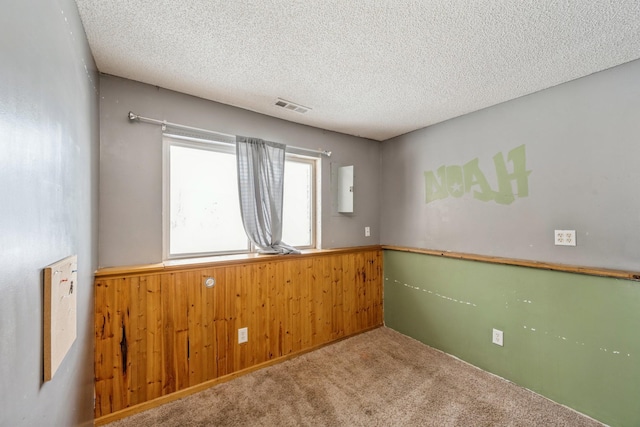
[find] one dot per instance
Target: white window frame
(225, 147)
(313, 162)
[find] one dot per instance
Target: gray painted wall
(582, 148)
(131, 167)
(48, 210)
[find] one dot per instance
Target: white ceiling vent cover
(292, 106)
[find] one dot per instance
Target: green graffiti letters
(456, 180)
(436, 189)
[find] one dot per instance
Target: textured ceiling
(371, 68)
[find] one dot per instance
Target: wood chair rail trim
(220, 261)
(591, 271)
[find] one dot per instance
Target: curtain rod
(164, 124)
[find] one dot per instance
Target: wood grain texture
(160, 332)
(591, 271)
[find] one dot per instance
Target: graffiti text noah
(457, 181)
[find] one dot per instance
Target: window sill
(219, 261)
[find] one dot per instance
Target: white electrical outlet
(565, 237)
(243, 335)
(367, 231)
(497, 337)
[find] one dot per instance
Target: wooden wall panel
(159, 332)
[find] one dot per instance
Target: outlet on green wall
(572, 338)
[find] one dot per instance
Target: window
(298, 204)
(201, 205)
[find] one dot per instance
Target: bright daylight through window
(202, 208)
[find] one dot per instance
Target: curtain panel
(261, 186)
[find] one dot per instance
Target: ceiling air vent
(292, 106)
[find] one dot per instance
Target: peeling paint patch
(417, 288)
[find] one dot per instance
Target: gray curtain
(261, 186)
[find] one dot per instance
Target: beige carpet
(380, 378)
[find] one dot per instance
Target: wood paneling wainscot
(159, 330)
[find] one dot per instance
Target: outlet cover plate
(565, 237)
(497, 337)
(243, 335)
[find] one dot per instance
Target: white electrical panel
(345, 189)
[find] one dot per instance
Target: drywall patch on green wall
(457, 180)
(572, 338)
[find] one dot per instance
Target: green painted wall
(572, 338)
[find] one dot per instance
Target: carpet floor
(379, 378)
